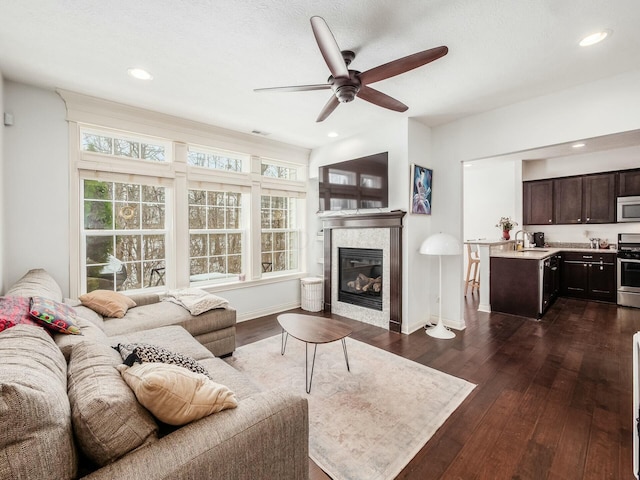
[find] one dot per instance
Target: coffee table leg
(283, 341)
(308, 379)
(346, 357)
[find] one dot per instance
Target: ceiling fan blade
(329, 48)
(381, 99)
(296, 88)
(328, 108)
(402, 65)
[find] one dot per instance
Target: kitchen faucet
(515, 246)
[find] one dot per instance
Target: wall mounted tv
(355, 184)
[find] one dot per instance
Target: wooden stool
(473, 258)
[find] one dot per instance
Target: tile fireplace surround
(373, 230)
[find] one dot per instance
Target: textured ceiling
(207, 56)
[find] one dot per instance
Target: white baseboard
(484, 308)
(455, 324)
(243, 317)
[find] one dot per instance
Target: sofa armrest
(266, 436)
(144, 298)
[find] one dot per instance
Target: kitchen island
(526, 282)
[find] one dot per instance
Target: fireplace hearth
(360, 277)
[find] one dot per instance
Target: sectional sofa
(66, 411)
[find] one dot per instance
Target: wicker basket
(311, 294)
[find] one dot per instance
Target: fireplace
(360, 277)
(372, 232)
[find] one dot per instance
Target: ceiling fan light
(594, 38)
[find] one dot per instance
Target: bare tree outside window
(124, 234)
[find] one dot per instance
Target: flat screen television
(355, 184)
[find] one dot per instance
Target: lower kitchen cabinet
(588, 275)
(515, 287)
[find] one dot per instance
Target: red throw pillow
(15, 311)
(54, 316)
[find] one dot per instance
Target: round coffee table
(315, 330)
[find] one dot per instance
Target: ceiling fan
(348, 84)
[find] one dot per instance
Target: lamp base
(440, 331)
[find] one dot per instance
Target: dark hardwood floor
(553, 397)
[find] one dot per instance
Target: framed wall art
(421, 181)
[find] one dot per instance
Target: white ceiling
(207, 56)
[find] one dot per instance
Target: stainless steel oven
(628, 209)
(629, 269)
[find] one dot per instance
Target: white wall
(2, 189)
(599, 108)
(491, 191)
(407, 141)
(36, 184)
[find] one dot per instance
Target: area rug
(364, 424)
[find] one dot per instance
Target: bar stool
(473, 259)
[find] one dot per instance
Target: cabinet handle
(549, 220)
(587, 256)
(579, 219)
(588, 219)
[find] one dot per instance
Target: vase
(505, 234)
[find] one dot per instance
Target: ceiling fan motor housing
(346, 89)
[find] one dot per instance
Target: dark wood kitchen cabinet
(629, 183)
(588, 275)
(537, 202)
(585, 199)
(599, 202)
(567, 205)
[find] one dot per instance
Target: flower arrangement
(506, 223)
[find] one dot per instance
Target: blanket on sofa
(195, 300)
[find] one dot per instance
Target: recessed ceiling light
(332, 134)
(594, 38)
(140, 74)
(578, 145)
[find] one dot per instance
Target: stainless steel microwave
(629, 209)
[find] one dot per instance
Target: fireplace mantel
(392, 221)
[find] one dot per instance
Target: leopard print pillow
(142, 352)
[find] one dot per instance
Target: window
(279, 170)
(215, 235)
(156, 213)
(124, 235)
(280, 235)
(118, 144)
(217, 159)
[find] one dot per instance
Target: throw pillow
(14, 311)
(175, 395)
(141, 352)
(107, 303)
(54, 316)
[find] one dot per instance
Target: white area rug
(365, 424)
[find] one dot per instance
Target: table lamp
(440, 244)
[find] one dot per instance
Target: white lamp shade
(441, 244)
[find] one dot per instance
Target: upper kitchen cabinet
(537, 202)
(629, 183)
(585, 199)
(599, 198)
(567, 203)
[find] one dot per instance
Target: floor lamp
(440, 244)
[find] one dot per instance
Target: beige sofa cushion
(37, 438)
(36, 283)
(175, 395)
(88, 330)
(107, 419)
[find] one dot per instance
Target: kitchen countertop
(542, 253)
